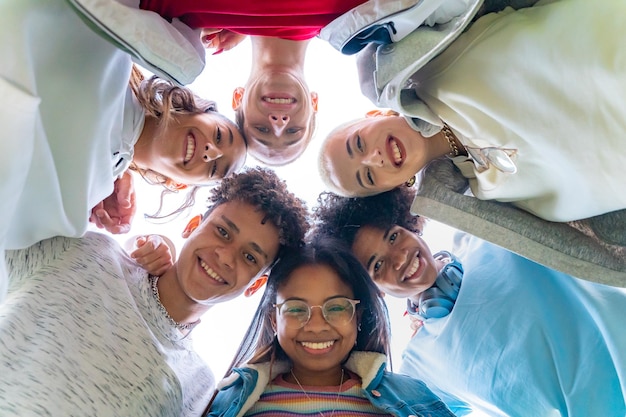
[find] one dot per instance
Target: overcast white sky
(334, 77)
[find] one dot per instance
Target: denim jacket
(396, 394)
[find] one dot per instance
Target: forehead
(314, 283)
(368, 240)
(342, 167)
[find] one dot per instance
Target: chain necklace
(184, 327)
(309, 398)
(449, 136)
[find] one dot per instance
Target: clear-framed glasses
(501, 158)
(155, 178)
(336, 311)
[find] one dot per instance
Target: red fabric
(287, 19)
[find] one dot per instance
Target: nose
(317, 320)
(211, 152)
(398, 258)
(225, 257)
(279, 123)
(374, 158)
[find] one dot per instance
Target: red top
(288, 19)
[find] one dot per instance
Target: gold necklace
(309, 398)
(449, 136)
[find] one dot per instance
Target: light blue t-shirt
(524, 340)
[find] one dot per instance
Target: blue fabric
(524, 340)
(395, 394)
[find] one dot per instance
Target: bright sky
(334, 77)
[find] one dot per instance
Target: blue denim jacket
(396, 394)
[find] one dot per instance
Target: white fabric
(63, 90)
(81, 334)
(524, 340)
(550, 82)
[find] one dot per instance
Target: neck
(277, 54)
(332, 377)
(178, 305)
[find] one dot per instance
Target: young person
(72, 126)
(505, 336)
(523, 148)
(318, 345)
(85, 328)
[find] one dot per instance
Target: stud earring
(410, 182)
(358, 327)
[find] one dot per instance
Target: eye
(250, 258)
(393, 237)
(377, 266)
(293, 130)
(359, 144)
(223, 232)
(218, 137)
(262, 129)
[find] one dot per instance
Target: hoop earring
(410, 182)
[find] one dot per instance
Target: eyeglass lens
(336, 311)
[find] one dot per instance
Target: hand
(155, 253)
(115, 213)
(220, 39)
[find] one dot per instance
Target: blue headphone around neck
(438, 300)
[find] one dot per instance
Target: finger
(124, 188)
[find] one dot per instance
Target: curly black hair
(341, 217)
(261, 188)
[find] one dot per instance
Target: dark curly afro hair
(341, 217)
(261, 188)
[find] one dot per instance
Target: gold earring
(410, 182)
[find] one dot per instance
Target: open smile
(414, 269)
(211, 273)
(190, 147)
(318, 348)
(395, 151)
(279, 101)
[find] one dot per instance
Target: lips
(395, 151)
(414, 269)
(279, 101)
(318, 348)
(211, 273)
(190, 147)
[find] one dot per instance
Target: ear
(176, 185)
(314, 100)
(238, 97)
(192, 225)
(256, 285)
(381, 112)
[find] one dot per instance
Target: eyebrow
(269, 143)
(371, 259)
(254, 245)
(349, 149)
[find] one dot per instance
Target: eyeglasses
(155, 178)
(336, 311)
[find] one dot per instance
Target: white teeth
(211, 272)
(318, 345)
(413, 267)
(279, 100)
(191, 147)
(397, 155)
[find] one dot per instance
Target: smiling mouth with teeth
(276, 100)
(210, 272)
(318, 345)
(413, 267)
(191, 148)
(396, 152)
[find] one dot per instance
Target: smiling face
(399, 261)
(278, 113)
(318, 349)
(373, 155)
(221, 257)
(193, 149)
